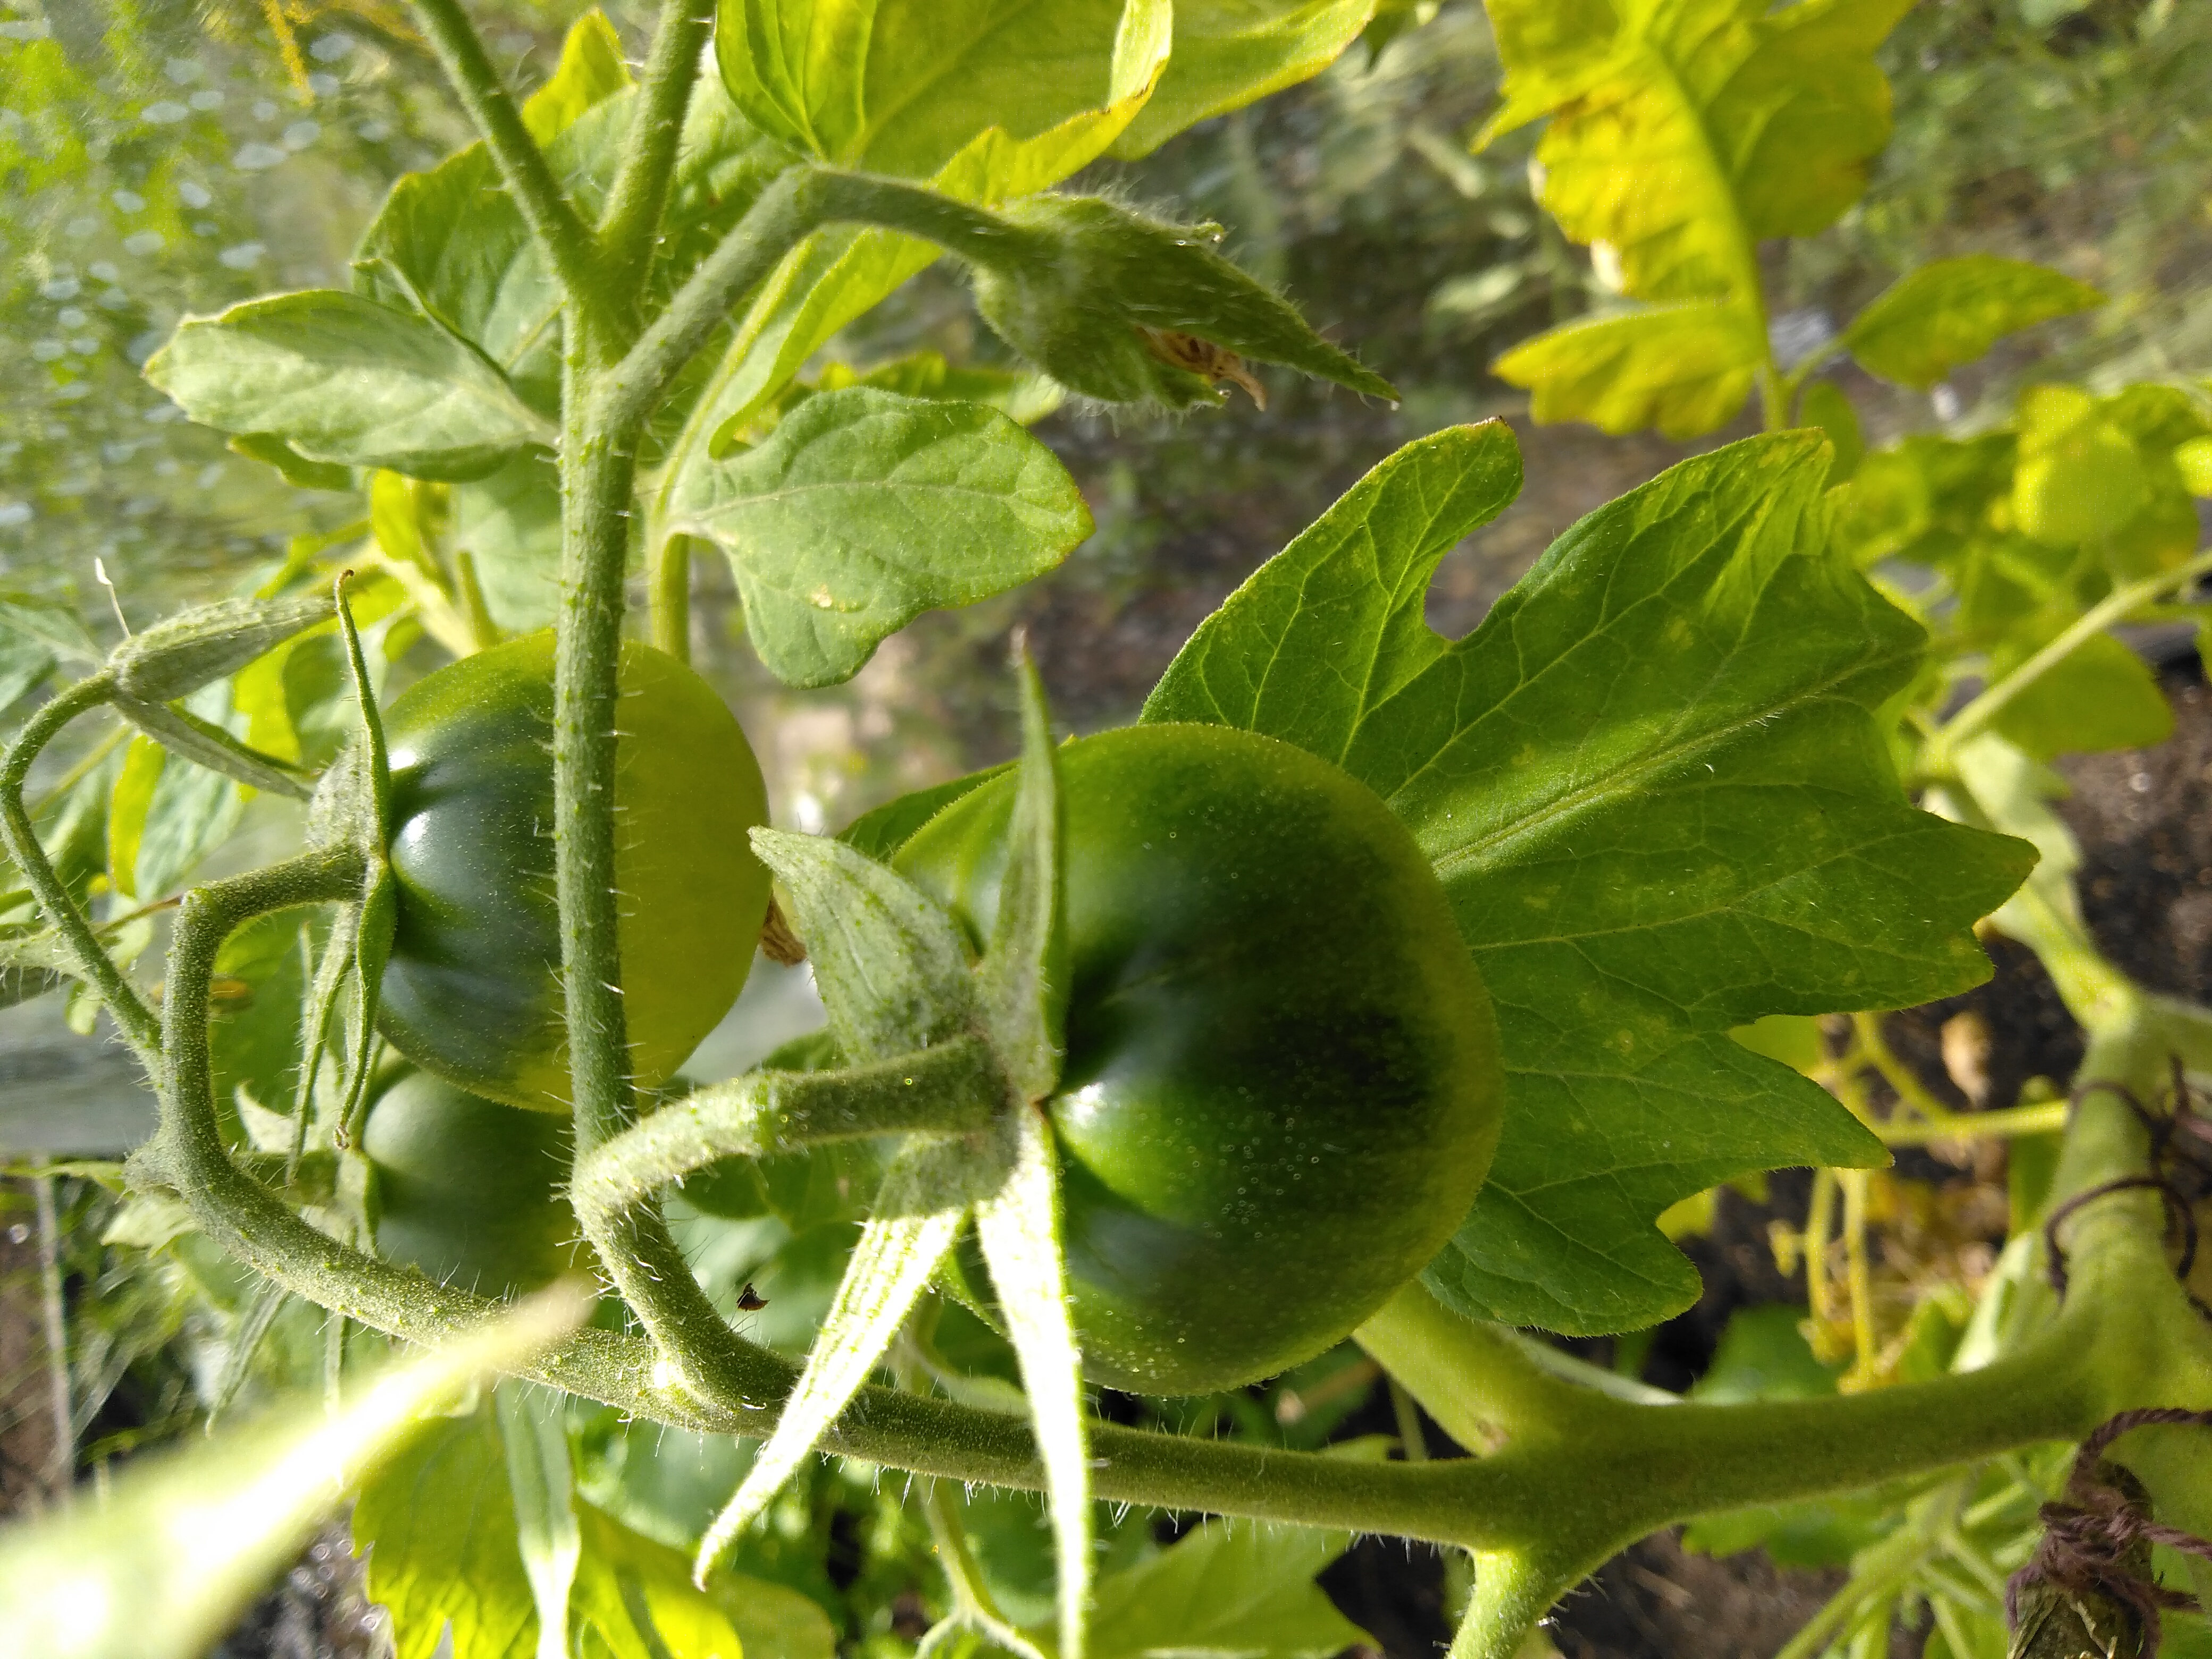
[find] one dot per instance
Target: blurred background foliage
(164, 156)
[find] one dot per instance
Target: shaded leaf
(1656, 794)
(342, 378)
(880, 833)
(510, 524)
(1684, 369)
(1950, 311)
(2102, 697)
(863, 509)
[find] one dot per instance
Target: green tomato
(1281, 1089)
(469, 1190)
(473, 988)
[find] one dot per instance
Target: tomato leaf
(1229, 53)
(891, 965)
(591, 70)
(902, 87)
(342, 378)
(1932, 319)
(1683, 369)
(1238, 1587)
(1761, 121)
(189, 1536)
(510, 524)
(1654, 788)
(863, 509)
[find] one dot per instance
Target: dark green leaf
(1931, 320)
(1654, 788)
(863, 509)
(342, 378)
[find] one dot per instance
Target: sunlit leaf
(1229, 53)
(1656, 791)
(1684, 369)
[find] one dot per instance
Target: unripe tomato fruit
(469, 1190)
(1281, 1089)
(473, 990)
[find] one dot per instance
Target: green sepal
(1086, 290)
(1024, 975)
(542, 1482)
(183, 732)
(176, 657)
(924, 1197)
(1020, 1229)
(379, 923)
(889, 964)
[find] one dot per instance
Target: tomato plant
(472, 987)
(1279, 1093)
(1373, 983)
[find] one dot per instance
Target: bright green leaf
(169, 1562)
(343, 379)
(541, 1483)
(1933, 319)
(254, 1036)
(591, 70)
(2079, 476)
(1653, 785)
(295, 468)
(1229, 53)
(1238, 1588)
(863, 509)
(903, 87)
(1685, 369)
(635, 1600)
(452, 1556)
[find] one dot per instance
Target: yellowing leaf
(1684, 131)
(1684, 368)
(2079, 476)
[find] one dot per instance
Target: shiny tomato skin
(469, 1190)
(1281, 1089)
(473, 990)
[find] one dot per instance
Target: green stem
(639, 196)
(560, 232)
(1512, 1593)
(952, 1089)
(140, 1027)
(2007, 1123)
(800, 201)
(1976, 716)
(668, 590)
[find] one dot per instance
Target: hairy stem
(560, 232)
(140, 1027)
(639, 196)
